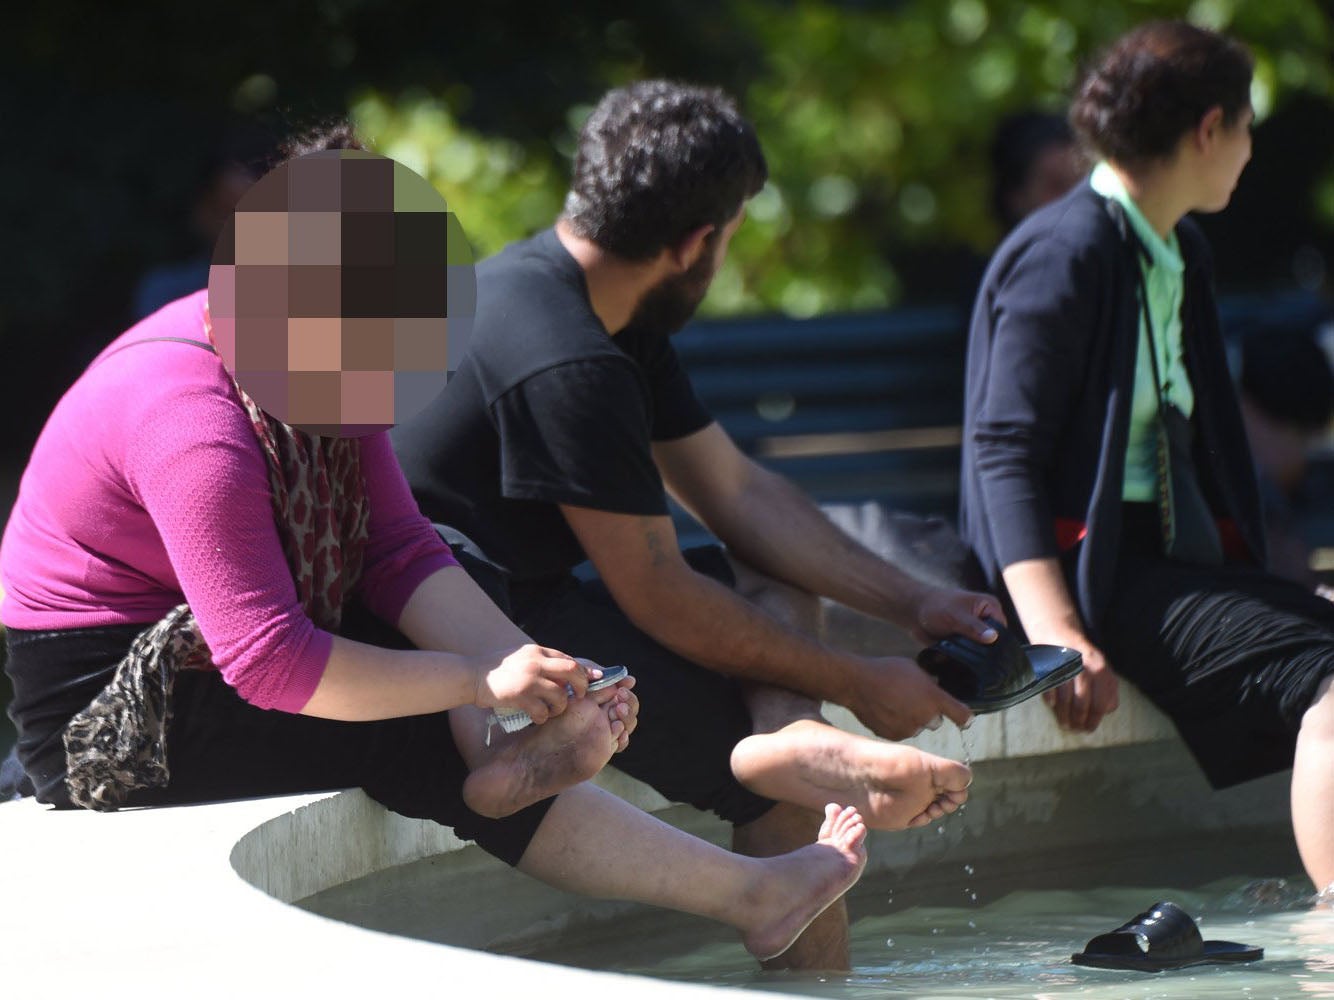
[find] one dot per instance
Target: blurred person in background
(1034, 160)
(231, 165)
(1287, 402)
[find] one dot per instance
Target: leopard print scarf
(118, 743)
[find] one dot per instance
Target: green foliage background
(875, 120)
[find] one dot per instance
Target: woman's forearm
(451, 622)
(468, 653)
(362, 683)
(1040, 595)
(449, 612)
(1043, 601)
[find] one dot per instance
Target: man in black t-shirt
(557, 440)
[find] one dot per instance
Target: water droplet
(940, 829)
(889, 942)
(935, 930)
(966, 891)
(973, 897)
(972, 925)
(968, 869)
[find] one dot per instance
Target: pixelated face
(333, 288)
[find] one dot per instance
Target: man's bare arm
(771, 525)
(706, 622)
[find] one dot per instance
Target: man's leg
(795, 756)
(824, 944)
(689, 722)
(1313, 789)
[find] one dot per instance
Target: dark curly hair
(657, 160)
(1154, 85)
(335, 133)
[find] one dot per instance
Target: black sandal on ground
(1162, 937)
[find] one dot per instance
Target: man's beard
(669, 305)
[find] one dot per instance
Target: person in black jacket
(1107, 485)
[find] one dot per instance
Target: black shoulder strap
(1122, 221)
(1137, 247)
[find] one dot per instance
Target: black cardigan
(1051, 365)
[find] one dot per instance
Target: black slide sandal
(991, 677)
(1162, 937)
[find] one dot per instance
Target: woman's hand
(1043, 601)
(1081, 702)
(531, 678)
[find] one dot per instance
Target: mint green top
(1163, 279)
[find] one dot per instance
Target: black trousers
(1234, 655)
(221, 747)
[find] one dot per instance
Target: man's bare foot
(542, 761)
(895, 787)
(793, 889)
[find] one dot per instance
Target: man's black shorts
(690, 718)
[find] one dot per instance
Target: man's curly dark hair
(657, 160)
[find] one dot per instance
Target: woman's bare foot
(542, 761)
(895, 787)
(793, 889)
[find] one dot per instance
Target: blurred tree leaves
(876, 120)
(897, 108)
(499, 188)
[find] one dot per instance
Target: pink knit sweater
(147, 487)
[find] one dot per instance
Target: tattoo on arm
(657, 547)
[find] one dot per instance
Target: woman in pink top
(148, 488)
(162, 589)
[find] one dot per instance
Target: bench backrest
(869, 406)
